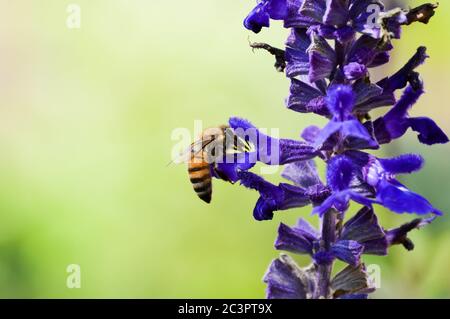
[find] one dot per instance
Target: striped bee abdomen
(200, 176)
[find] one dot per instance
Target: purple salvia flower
(344, 131)
(263, 12)
(273, 198)
(332, 79)
(397, 121)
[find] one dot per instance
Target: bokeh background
(86, 118)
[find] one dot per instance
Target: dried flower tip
(280, 59)
(422, 13)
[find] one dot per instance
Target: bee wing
(193, 149)
(232, 144)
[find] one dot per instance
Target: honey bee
(202, 156)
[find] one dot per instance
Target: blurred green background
(86, 119)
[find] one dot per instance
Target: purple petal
(355, 71)
(353, 135)
(350, 281)
(286, 280)
(271, 150)
(395, 123)
(256, 182)
(293, 240)
(336, 12)
(403, 164)
(302, 173)
(348, 251)
(359, 158)
(323, 258)
(356, 136)
(379, 59)
(310, 133)
(409, 97)
(429, 132)
(322, 58)
(307, 230)
(273, 198)
(331, 201)
(376, 247)
(340, 101)
(340, 202)
(292, 151)
(326, 31)
(239, 123)
(229, 171)
(293, 197)
(267, 148)
(296, 56)
(294, 19)
(340, 171)
(364, 228)
(365, 91)
(363, 51)
(304, 98)
(258, 18)
(326, 133)
(370, 96)
(277, 9)
(400, 199)
(344, 34)
(318, 193)
(384, 99)
(265, 10)
(315, 9)
(400, 79)
(264, 209)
